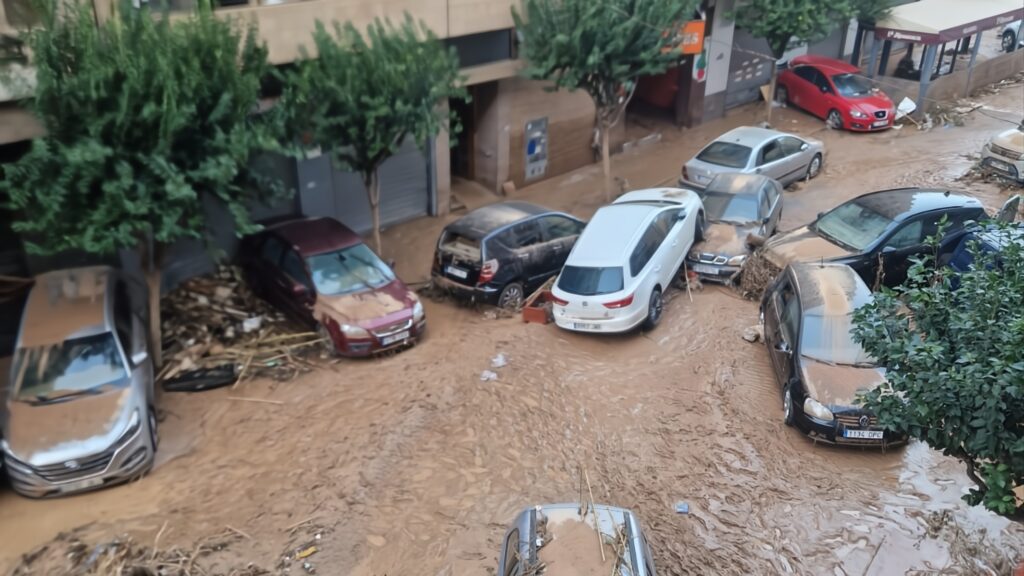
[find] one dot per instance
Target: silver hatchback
(750, 150)
(79, 414)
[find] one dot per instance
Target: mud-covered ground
(411, 465)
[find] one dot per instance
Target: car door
(824, 95)
(532, 258)
(293, 287)
(560, 234)
(771, 160)
(674, 246)
(803, 90)
(798, 156)
(772, 191)
(780, 309)
(904, 243)
(262, 266)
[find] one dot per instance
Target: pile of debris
(757, 273)
(217, 332)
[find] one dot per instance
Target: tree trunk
(372, 183)
(606, 162)
(152, 264)
(770, 101)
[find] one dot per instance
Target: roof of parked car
(829, 289)
(487, 219)
(316, 235)
(657, 196)
(829, 65)
(63, 303)
(608, 238)
(737, 183)
(750, 136)
(902, 203)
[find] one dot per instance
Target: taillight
(619, 303)
(488, 271)
(559, 301)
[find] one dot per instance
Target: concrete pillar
(886, 51)
(926, 76)
(970, 65)
(873, 60)
(442, 170)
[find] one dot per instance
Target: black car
(989, 239)
(807, 315)
(501, 253)
(889, 226)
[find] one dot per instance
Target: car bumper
(1012, 169)
(126, 462)
(399, 338)
(623, 320)
(868, 124)
(842, 431)
(713, 272)
(485, 294)
(684, 183)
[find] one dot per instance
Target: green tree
(870, 11)
(602, 48)
(361, 97)
(953, 347)
(785, 22)
(144, 117)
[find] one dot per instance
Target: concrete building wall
(719, 49)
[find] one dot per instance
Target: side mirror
(888, 250)
(820, 214)
(139, 357)
(783, 347)
(391, 263)
(755, 240)
(681, 216)
(804, 146)
(824, 89)
(300, 290)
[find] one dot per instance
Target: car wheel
(325, 335)
(787, 405)
(834, 120)
(814, 168)
(154, 436)
(781, 95)
(654, 309)
(698, 228)
(511, 297)
(1009, 41)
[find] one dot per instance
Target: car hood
(1012, 139)
(64, 430)
(727, 239)
(838, 385)
(801, 245)
(371, 309)
(872, 103)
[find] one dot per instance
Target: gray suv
(557, 534)
(79, 413)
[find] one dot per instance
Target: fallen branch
(260, 400)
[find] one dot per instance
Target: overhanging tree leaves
(361, 97)
(601, 47)
(955, 367)
(144, 118)
(781, 22)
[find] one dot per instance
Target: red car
(836, 91)
(322, 274)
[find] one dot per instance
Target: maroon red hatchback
(322, 274)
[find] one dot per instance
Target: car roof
(999, 238)
(486, 219)
(829, 65)
(902, 203)
(608, 237)
(829, 289)
(750, 136)
(66, 303)
(656, 196)
(311, 236)
(737, 183)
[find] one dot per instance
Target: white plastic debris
(499, 361)
(488, 376)
(252, 324)
(752, 334)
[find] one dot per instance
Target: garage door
(747, 71)
(405, 191)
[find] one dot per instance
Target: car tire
(1009, 41)
(698, 228)
(814, 168)
(782, 95)
(511, 297)
(655, 308)
(325, 335)
(788, 407)
(154, 436)
(834, 119)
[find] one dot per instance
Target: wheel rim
(325, 335)
(154, 436)
(787, 405)
(655, 309)
(815, 167)
(1007, 42)
(834, 120)
(511, 296)
(781, 95)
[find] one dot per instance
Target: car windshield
(733, 208)
(725, 154)
(354, 269)
(852, 225)
(829, 339)
(76, 366)
(851, 85)
(589, 281)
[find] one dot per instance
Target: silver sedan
(749, 150)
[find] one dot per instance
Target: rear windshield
(725, 154)
(462, 247)
(589, 281)
(733, 208)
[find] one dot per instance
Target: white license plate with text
(864, 434)
(394, 338)
(81, 485)
(457, 272)
(705, 269)
(585, 326)
(881, 123)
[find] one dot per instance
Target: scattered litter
(499, 361)
(488, 376)
(306, 553)
(753, 333)
(682, 508)
(251, 324)
(757, 273)
(201, 380)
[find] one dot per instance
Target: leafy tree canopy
(953, 347)
(871, 11)
(782, 21)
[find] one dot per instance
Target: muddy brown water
(411, 465)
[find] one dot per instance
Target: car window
(666, 220)
(771, 152)
(74, 365)
(908, 236)
(852, 225)
(556, 227)
(726, 154)
(772, 193)
(348, 271)
(512, 554)
(123, 316)
(590, 281)
(821, 82)
(733, 208)
(791, 145)
(292, 266)
(805, 72)
(523, 234)
(271, 250)
(765, 206)
(851, 85)
(790, 313)
(645, 248)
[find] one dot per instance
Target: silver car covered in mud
(79, 414)
(751, 150)
(562, 537)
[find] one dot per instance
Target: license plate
(880, 123)
(999, 164)
(457, 272)
(394, 338)
(864, 434)
(81, 485)
(705, 269)
(585, 326)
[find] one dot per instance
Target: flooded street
(412, 465)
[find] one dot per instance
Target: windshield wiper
(64, 395)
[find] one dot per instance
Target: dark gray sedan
(749, 150)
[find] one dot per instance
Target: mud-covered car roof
(315, 235)
(902, 203)
(64, 303)
(829, 289)
(487, 219)
(737, 183)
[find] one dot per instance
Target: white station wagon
(627, 256)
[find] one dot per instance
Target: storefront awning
(939, 21)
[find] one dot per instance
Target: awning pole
(873, 60)
(926, 76)
(970, 65)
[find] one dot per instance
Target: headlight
(351, 331)
(858, 114)
(817, 410)
(5, 447)
(694, 254)
(417, 311)
(133, 427)
(737, 260)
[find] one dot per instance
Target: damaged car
(564, 534)
(879, 233)
(322, 275)
(741, 211)
(807, 317)
(499, 254)
(1004, 154)
(751, 150)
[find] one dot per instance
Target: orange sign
(692, 37)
